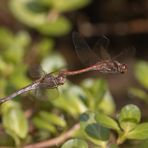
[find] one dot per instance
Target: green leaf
(3, 84)
(129, 117)
(42, 124)
(45, 3)
(6, 38)
(36, 15)
(107, 101)
(106, 121)
(44, 47)
(51, 118)
(98, 96)
(18, 45)
(12, 113)
(18, 78)
(22, 11)
(69, 5)
(97, 131)
(75, 143)
(141, 71)
(139, 133)
(56, 27)
(94, 131)
(95, 91)
(139, 93)
(23, 39)
(70, 100)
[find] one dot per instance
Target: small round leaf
(106, 121)
(97, 131)
(75, 143)
(129, 117)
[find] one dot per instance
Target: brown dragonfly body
(49, 81)
(105, 66)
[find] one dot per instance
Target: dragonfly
(49, 81)
(86, 54)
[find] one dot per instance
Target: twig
(55, 141)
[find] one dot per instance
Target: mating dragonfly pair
(106, 65)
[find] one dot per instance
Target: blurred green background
(39, 32)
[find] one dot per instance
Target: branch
(55, 141)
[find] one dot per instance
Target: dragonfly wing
(125, 54)
(45, 94)
(36, 72)
(101, 46)
(40, 94)
(85, 54)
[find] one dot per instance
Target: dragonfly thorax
(51, 81)
(109, 66)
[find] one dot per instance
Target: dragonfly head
(121, 68)
(60, 79)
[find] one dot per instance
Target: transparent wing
(46, 94)
(85, 54)
(125, 54)
(48, 87)
(101, 46)
(36, 72)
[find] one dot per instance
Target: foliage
(75, 143)
(46, 15)
(12, 113)
(96, 126)
(31, 119)
(141, 71)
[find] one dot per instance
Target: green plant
(141, 71)
(97, 126)
(46, 16)
(50, 119)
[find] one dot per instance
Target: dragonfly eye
(123, 68)
(61, 80)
